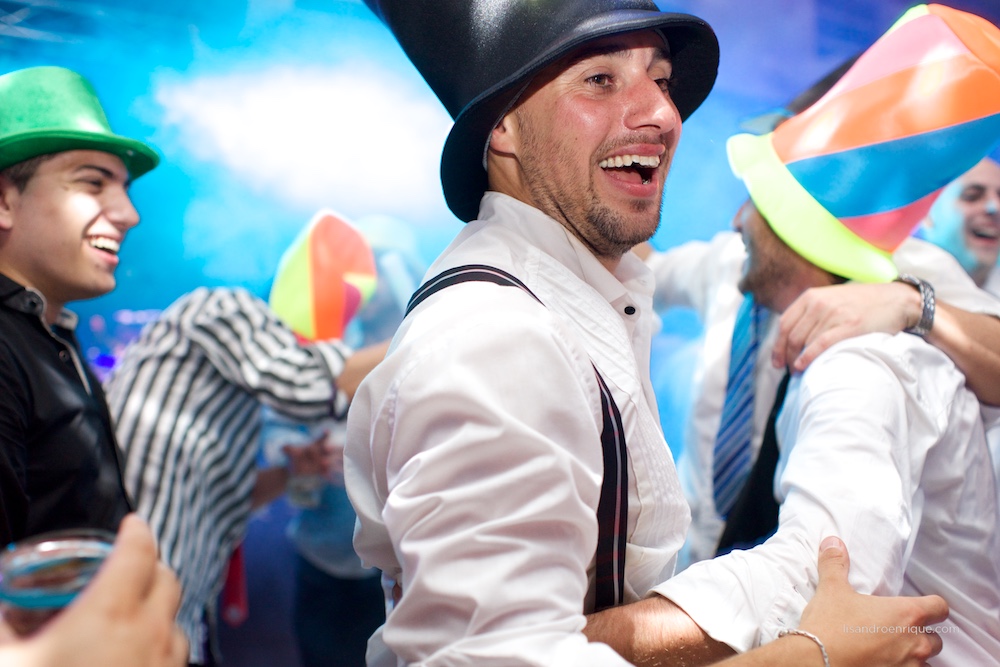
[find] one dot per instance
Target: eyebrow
(107, 173)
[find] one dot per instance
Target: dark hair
(19, 174)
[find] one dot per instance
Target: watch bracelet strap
(928, 304)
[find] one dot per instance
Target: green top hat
(51, 109)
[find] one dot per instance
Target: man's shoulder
(862, 360)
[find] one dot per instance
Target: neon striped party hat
(845, 182)
(323, 278)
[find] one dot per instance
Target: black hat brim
(694, 52)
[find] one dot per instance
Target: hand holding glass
(42, 574)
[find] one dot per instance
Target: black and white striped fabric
(185, 399)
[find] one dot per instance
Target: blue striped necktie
(731, 461)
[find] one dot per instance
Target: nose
(739, 220)
(651, 107)
(119, 209)
(993, 203)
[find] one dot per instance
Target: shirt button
(630, 310)
(64, 355)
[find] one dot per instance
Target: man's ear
(8, 194)
(504, 138)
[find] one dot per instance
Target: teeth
(629, 160)
(103, 243)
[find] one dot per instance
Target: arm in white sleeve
(688, 275)
(849, 473)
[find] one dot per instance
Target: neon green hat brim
(801, 221)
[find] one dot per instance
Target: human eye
(972, 194)
(664, 78)
(92, 178)
(602, 80)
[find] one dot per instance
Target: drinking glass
(42, 574)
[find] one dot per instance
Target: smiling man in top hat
(64, 212)
(506, 460)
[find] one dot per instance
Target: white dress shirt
(703, 276)
(474, 459)
(882, 445)
(992, 284)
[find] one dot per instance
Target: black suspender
(612, 509)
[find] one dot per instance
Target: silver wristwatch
(923, 326)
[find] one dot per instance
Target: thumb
(834, 562)
(129, 567)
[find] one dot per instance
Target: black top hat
(478, 55)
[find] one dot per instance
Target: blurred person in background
(965, 221)
(339, 603)
(187, 396)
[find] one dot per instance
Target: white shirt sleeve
(951, 283)
(846, 470)
(688, 275)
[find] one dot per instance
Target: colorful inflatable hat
(323, 278)
(846, 181)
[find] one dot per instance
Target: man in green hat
(64, 212)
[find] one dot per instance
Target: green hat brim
(138, 157)
(801, 221)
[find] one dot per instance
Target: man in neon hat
(879, 440)
(505, 460)
(720, 444)
(64, 213)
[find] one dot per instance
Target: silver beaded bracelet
(809, 635)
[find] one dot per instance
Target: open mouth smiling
(643, 165)
(104, 243)
(985, 233)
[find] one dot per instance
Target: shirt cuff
(733, 602)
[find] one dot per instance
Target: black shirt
(59, 463)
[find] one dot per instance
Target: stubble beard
(762, 277)
(608, 232)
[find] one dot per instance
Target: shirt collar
(31, 302)
(631, 275)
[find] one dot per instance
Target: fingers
(933, 609)
(935, 643)
(834, 562)
(817, 346)
(179, 649)
(129, 572)
(166, 591)
(797, 327)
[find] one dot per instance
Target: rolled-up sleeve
(845, 470)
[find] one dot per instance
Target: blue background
(267, 110)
